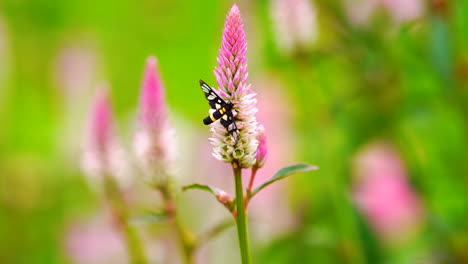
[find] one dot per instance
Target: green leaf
(283, 173)
(202, 187)
(227, 202)
(149, 218)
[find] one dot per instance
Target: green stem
(185, 237)
(120, 212)
(134, 245)
(241, 220)
(249, 188)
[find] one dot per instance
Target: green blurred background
(404, 82)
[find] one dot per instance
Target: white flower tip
(152, 62)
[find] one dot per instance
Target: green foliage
(281, 174)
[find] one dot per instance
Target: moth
(220, 110)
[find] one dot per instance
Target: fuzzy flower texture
(102, 153)
(231, 75)
(154, 141)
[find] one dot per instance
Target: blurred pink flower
(360, 11)
(76, 66)
(95, 242)
(74, 71)
(4, 58)
(5, 67)
(102, 154)
(383, 194)
(295, 24)
(403, 10)
(154, 141)
(231, 75)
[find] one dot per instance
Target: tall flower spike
(103, 155)
(231, 75)
(295, 23)
(154, 141)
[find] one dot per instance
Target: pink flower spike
(103, 155)
(152, 105)
(100, 133)
(154, 143)
(262, 147)
(231, 75)
(233, 48)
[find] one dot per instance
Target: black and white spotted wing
(211, 96)
(222, 110)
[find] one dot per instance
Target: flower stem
(252, 178)
(185, 241)
(242, 228)
(185, 237)
(120, 213)
(134, 245)
(249, 188)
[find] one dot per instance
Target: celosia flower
(231, 75)
(102, 155)
(262, 147)
(154, 141)
(383, 193)
(295, 23)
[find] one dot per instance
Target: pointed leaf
(202, 187)
(220, 195)
(283, 173)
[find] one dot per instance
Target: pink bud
(222, 196)
(262, 149)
